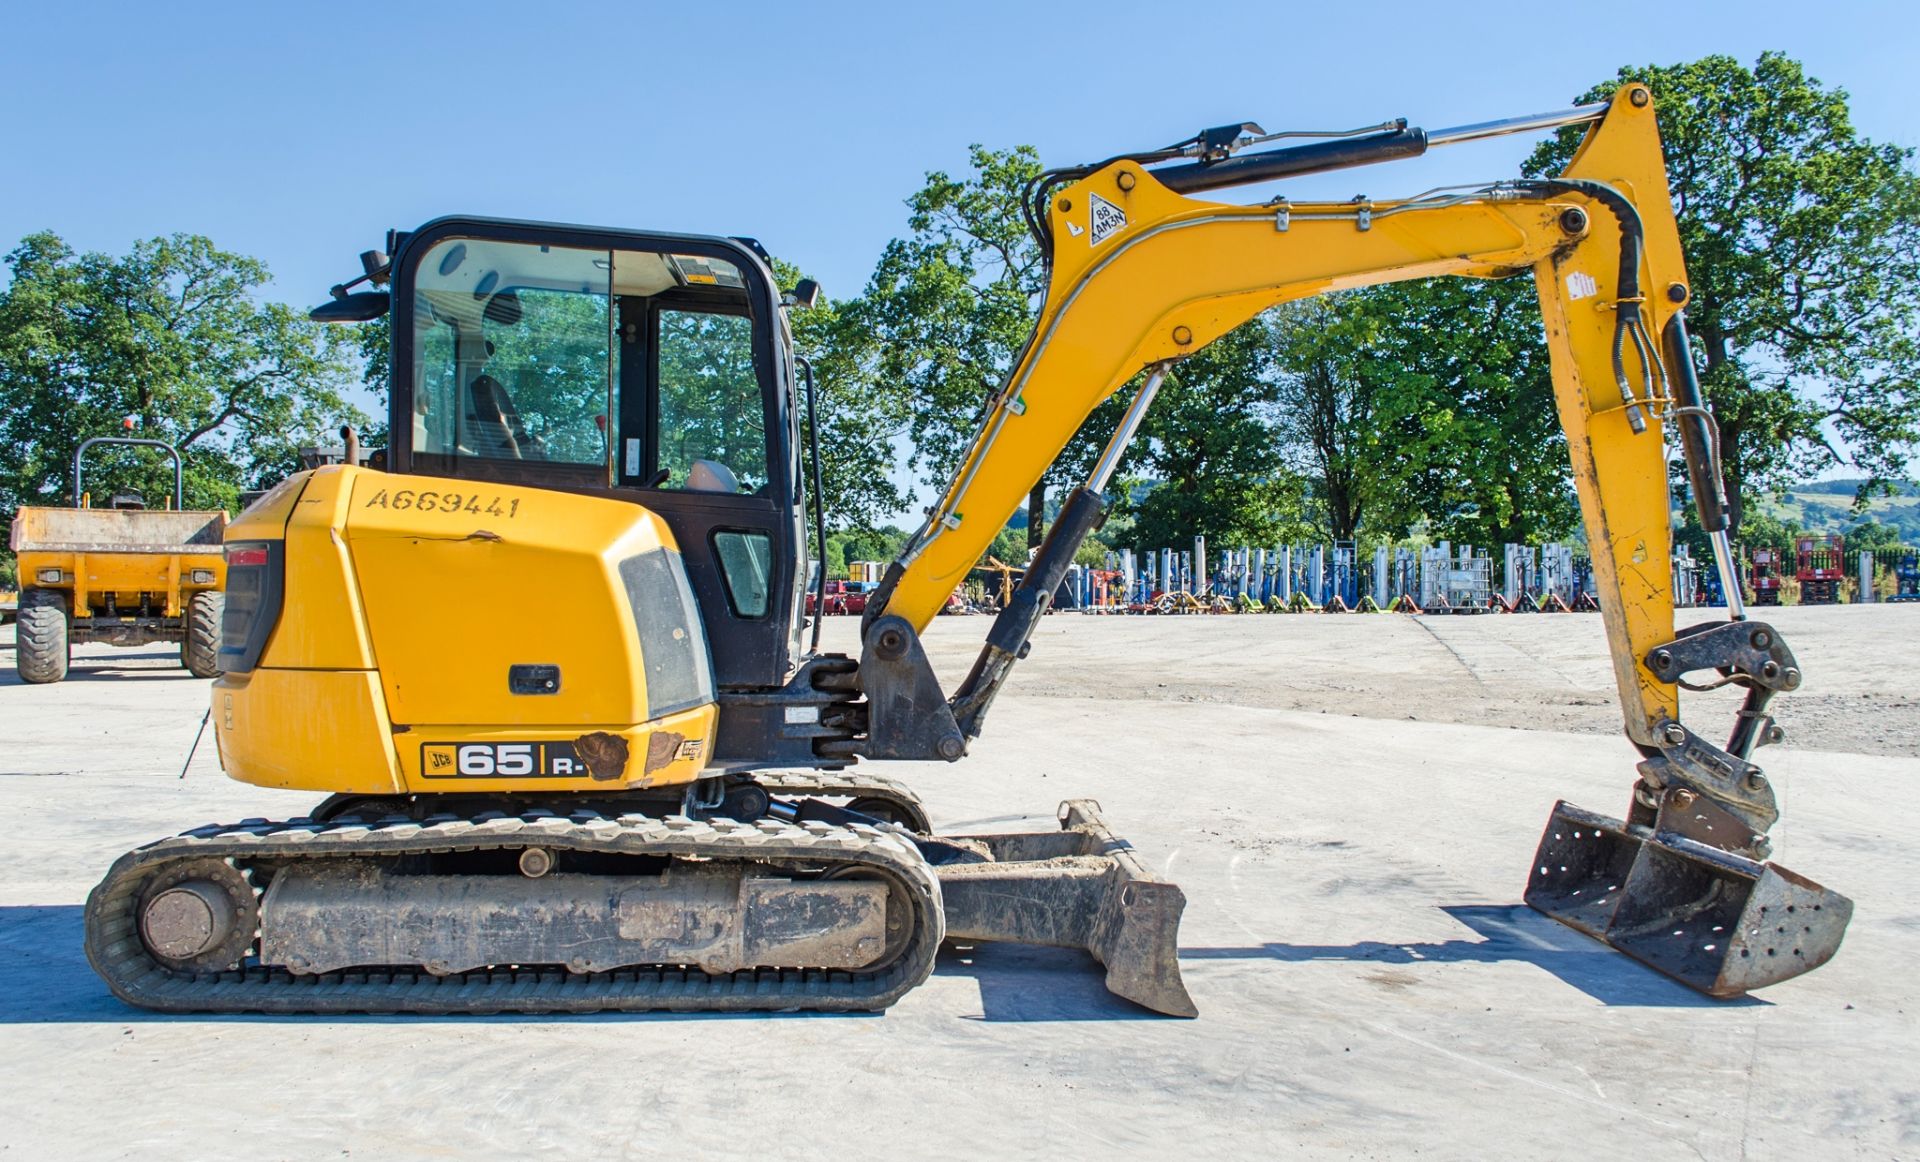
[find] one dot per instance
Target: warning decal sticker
(1580, 285)
(1107, 220)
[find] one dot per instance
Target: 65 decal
(500, 760)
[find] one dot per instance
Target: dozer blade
(1717, 921)
(1079, 887)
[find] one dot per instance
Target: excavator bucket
(1715, 920)
(1079, 887)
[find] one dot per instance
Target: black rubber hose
(1627, 320)
(819, 503)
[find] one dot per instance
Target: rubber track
(847, 784)
(115, 950)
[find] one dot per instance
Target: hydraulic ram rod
(1347, 152)
(1527, 124)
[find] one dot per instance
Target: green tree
(1802, 241)
(373, 342)
(866, 544)
(1872, 535)
(1425, 403)
(861, 421)
(1009, 547)
(171, 335)
(1469, 432)
(949, 309)
(1334, 393)
(1762, 530)
(1211, 440)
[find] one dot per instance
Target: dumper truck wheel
(40, 645)
(199, 649)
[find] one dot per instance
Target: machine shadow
(1029, 983)
(114, 668)
(1509, 932)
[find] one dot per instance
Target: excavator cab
(645, 367)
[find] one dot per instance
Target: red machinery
(1819, 566)
(842, 597)
(1763, 574)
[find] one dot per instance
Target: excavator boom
(1142, 276)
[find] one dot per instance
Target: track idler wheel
(200, 916)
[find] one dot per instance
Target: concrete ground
(1351, 804)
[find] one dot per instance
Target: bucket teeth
(1715, 920)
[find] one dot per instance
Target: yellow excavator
(549, 664)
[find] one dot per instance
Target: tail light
(256, 581)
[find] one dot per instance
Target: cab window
(544, 363)
(512, 354)
(710, 409)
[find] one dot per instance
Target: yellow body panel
(1181, 272)
(91, 576)
(406, 600)
(266, 519)
(477, 576)
(322, 625)
(306, 730)
(665, 752)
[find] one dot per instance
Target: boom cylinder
(1007, 640)
(1698, 443)
(1348, 152)
(1318, 157)
(1083, 512)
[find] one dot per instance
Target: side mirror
(361, 307)
(805, 295)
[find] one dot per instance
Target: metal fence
(1430, 578)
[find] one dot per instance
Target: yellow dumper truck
(123, 574)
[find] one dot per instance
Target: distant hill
(1827, 507)
(1847, 488)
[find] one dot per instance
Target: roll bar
(179, 478)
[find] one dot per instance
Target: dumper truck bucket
(1079, 887)
(1715, 920)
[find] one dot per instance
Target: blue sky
(299, 133)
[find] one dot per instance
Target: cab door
(702, 435)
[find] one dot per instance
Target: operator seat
(496, 431)
(712, 476)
